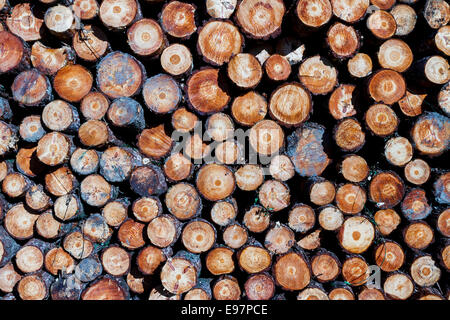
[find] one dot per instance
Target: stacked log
(228, 150)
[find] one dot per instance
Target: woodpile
(229, 150)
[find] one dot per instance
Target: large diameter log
(12, 52)
(260, 19)
(405, 18)
(146, 38)
(314, 14)
(343, 40)
(120, 75)
(291, 271)
(29, 29)
(49, 60)
(90, 43)
(215, 182)
(118, 14)
(31, 88)
(356, 234)
(148, 180)
(350, 11)
(161, 93)
(178, 19)
(318, 75)
(431, 134)
(73, 82)
(220, 9)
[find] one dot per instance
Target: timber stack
(223, 149)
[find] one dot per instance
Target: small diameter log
(317, 75)
(256, 219)
(301, 218)
(176, 59)
(13, 52)
(349, 135)
(281, 168)
(371, 294)
(5, 109)
(235, 236)
(15, 185)
(48, 60)
(260, 19)
(148, 180)
(444, 99)
(37, 199)
(84, 161)
(177, 167)
(120, 75)
(322, 192)
(350, 198)
(415, 205)
(94, 105)
(119, 14)
(224, 212)
(411, 104)
(445, 257)
(424, 271)
(330, 218)
(290, 104)
(266, 137)
(183, 201)
(23, 23)
(381, 120)
(115, 212)
(146, 38)
(58, 115)
(34, 287)
(354, 168)
(386, 190)
(154, 142)
(382, 24)
(90, 43)
(254, 259)
(149, 259)
(58, 260)
(59, 20)
(96, 229)
(146, 209)
(244, 70)
(226, 288)
(28, 163)
(277, 68)
(291, 271)
(94, 133)
(115, 261)
(220, 127)
(220, 9)
(69, 288)
(29, 259)
(430, 134)
(355, 270)
(126, 112)
(274, 195)
(405, 18)
(73, 82)
(85, 9)
(215, 182)
(313, 292)
(343, 40)
(249, 108)
(260, 287)
(395, 54)
(48, 227)
(313, 14)
(178, 19)
(341, 293)
(96, 191)
(8, 278)
(398, 151)
(105, 288)
(53, 149)
(387, 221)
(31, 129)
(432, 70)
(360, 65)
(350, 11)
(383, 4)
(8, 135)
(8, 247)
(31, 88)
(19, 222)
(418, 235)
(356, 234)
(184, 120)
(249, 177)
(340, 104)
(389, 256)
(279, 239)
(204, 92)
(436, 13)
(163, 231)
(442, 222)
(80, 247)
(220, 261)
(218, 41)
(161, 93)
(131, 234)
(398, 286)
(387, 86)
(180, 274)
(441, 40)
(198, 236)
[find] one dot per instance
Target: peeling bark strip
(224, 149)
